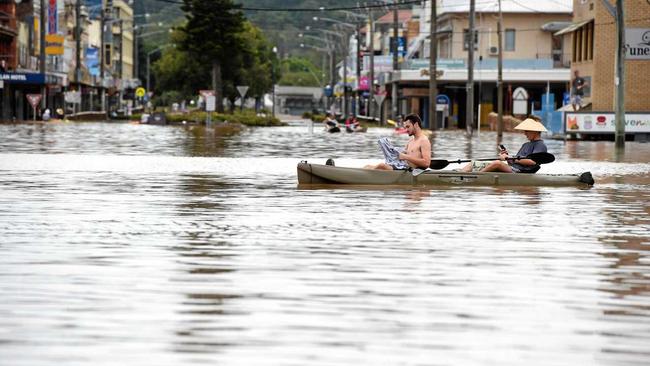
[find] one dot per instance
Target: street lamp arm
(335, 21)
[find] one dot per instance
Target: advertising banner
(92, 60)
(52, 19)
(595, 122)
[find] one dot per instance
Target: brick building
(594, 53)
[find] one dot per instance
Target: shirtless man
(417, 153)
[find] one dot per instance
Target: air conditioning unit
(493, 50)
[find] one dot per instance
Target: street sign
(520, 101)
(242, 90)
(140, 92)
(34, 99)
(210, 103)
(442, 99)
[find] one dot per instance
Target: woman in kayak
(517, 164)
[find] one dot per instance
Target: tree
(212, 37)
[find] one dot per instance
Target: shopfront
(13, 94)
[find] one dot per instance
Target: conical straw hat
(530, 124)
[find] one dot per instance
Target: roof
(403, 16)
(507, 6)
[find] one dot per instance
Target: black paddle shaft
(539, 158)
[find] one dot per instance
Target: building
(534, 57)
(66, 83)
(20, 41)
(593, 55)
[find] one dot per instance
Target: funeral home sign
(637, 43)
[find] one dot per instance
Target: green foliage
(247, 117)
(298, 71)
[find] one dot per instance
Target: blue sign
(92, 60)
(26, 78)
(401, 46)
(328, 91)
(442, 99)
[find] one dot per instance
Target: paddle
(539, 158)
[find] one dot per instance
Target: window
(510, 40)
(466, 39)
(583, 43)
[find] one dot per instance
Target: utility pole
(500, 78)
(619, 137)
(395, 62)
(42, 54)
(359, 59)
(102, 57)
(77, 36)
(371, 81)
(332, 99)
(433, 66)
(346, 49)
(469, 120)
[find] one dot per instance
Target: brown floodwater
(125, 244)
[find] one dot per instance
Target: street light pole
(149, 63)
(433, 66)
(275, 52)
(395, 62)
(500, 78)
(469, 120)
(371, 81)
(42, 54)
(619, 136)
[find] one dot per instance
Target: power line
(319, 9)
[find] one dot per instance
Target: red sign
(206, 93)
(52, 18)
(34, 99)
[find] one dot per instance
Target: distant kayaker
(516, 164)
(417, 153)
(329, 121)
(351, 122)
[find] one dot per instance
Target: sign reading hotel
(637, 43)
(605, 122)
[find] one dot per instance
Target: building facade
(534, 57)
(71, 80)
(593, 55)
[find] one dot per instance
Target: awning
(573, 27)
(555, 26)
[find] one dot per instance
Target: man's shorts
(478, 165)
(577, 100)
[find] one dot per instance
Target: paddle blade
(541, 158)
(438, 164)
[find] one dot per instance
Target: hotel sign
(576, 122)
(637, 43)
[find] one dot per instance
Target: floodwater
(124, 244)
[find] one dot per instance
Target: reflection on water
(130, 244)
